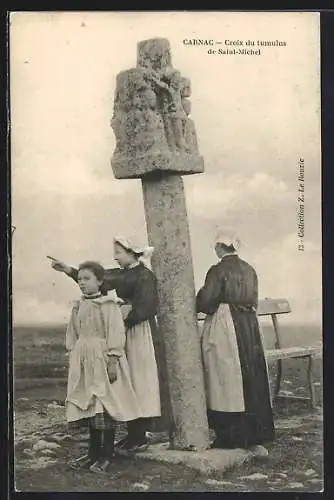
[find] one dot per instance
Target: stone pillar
(168, 232)
(156, 142)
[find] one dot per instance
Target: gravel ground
(43, 448)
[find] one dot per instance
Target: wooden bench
(273, 308)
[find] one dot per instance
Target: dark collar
(229, 256)
(93, 296)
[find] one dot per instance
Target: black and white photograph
(166, 251)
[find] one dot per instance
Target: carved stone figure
(155, 143)
(171, 107)
(154, 54)
(136, 122)
(150, 119)
(190, 136)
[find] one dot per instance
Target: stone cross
(156, 142)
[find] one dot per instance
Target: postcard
(166, 251)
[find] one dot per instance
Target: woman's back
(231, 281)
(240, 285)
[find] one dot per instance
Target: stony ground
(43, 448)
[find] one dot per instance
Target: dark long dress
(234, 282)
(137, 286)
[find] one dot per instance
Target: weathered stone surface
(60, 438)
(154, 53)
(156, 141)
(138, 127)
(295, 485)
(28, 452)
(49, 452)
(128, 167)
(168, 231)
(42, 445)
(310, 472)
(215, 482)
(151, 120)
(207, 461)
(141, 486)
(315, 480)
(255, 477)
(164, 423)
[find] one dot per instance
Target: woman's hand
(112, 362)
(57, 265)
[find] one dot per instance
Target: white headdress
(229, 238)
(130, 244)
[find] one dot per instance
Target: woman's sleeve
(73, 274)
(209, 296)
(111, 278)
(114, 327)
(144, 300)
(71, 334)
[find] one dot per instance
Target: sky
(255, 116)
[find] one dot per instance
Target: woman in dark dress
(135, 284)
(237, 388)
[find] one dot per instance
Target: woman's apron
(143, 367)
(222, 370)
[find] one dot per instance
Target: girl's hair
(94, 267)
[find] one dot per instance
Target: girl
(99, 386)
(238, 398)
(136, 285)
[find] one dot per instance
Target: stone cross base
(138, 167)
(206, 462)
